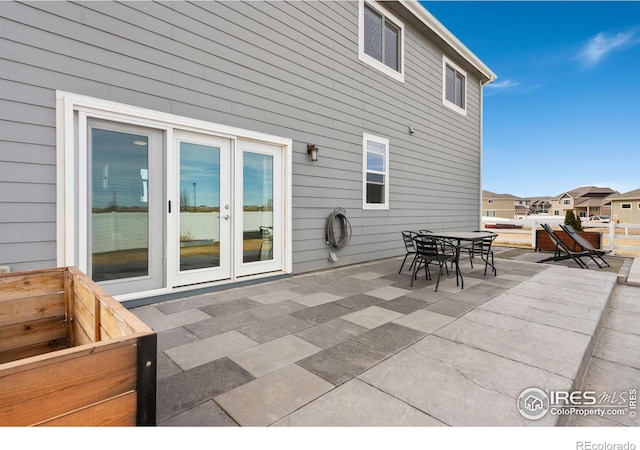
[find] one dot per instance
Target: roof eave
(453, 42)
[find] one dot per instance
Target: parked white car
(599, 219)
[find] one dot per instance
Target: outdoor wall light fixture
(312, 150)
(411, 130)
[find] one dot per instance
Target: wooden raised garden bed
(543, 242)
(71, 355)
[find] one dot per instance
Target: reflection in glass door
(203, 230)
(199, 235)
(125, 196)
(257, 178)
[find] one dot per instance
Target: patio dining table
(457, 238)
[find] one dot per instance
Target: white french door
(200, 211)
(229, 221)
(258, 208)
(161, 207)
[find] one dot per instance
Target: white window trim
(490, 201)
(622, 205)
(373, 206)
(397, 75)
(67, 163)
(446, 61)
(491, 213)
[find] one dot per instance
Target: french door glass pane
(119, 205)
(199, 206)
(257, 173)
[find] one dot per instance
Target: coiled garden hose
(344, 227)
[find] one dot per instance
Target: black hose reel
(337, 241)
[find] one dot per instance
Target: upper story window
(454, 92)
(625, 205)
(566, 201)
(381, 40)
(490, 201)
(375, 177)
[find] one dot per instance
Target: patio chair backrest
(434, 248)
(407, 237)
(484, 246)
(555, 238)
(580, 240)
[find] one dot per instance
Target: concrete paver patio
(358, 346)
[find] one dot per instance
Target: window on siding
(566, 201)
(490, 202)
(381, 40)
(625, 205)
(375, 182)
(491, 213)
(454, 87)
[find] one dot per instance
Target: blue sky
(565, 110)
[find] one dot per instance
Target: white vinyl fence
(620, 239)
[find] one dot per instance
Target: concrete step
(614, 368)
(633, 279)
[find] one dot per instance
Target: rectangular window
(490, 202)
(454, 86)
(567, 201)
(625, 205)
(491, 213)
(381, 40)
(375, 180)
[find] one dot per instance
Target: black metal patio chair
(409, 245)
(580, 241)
(483, 249)
(431, 250)
(562, 250)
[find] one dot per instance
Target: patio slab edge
(633, 279)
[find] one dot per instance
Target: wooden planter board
(543, 242)
(71, 355)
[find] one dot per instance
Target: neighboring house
(505, 206)
(540, 205)
(584, 201)
(163, 147)
(625, 208)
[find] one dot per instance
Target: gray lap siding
(285, 68)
